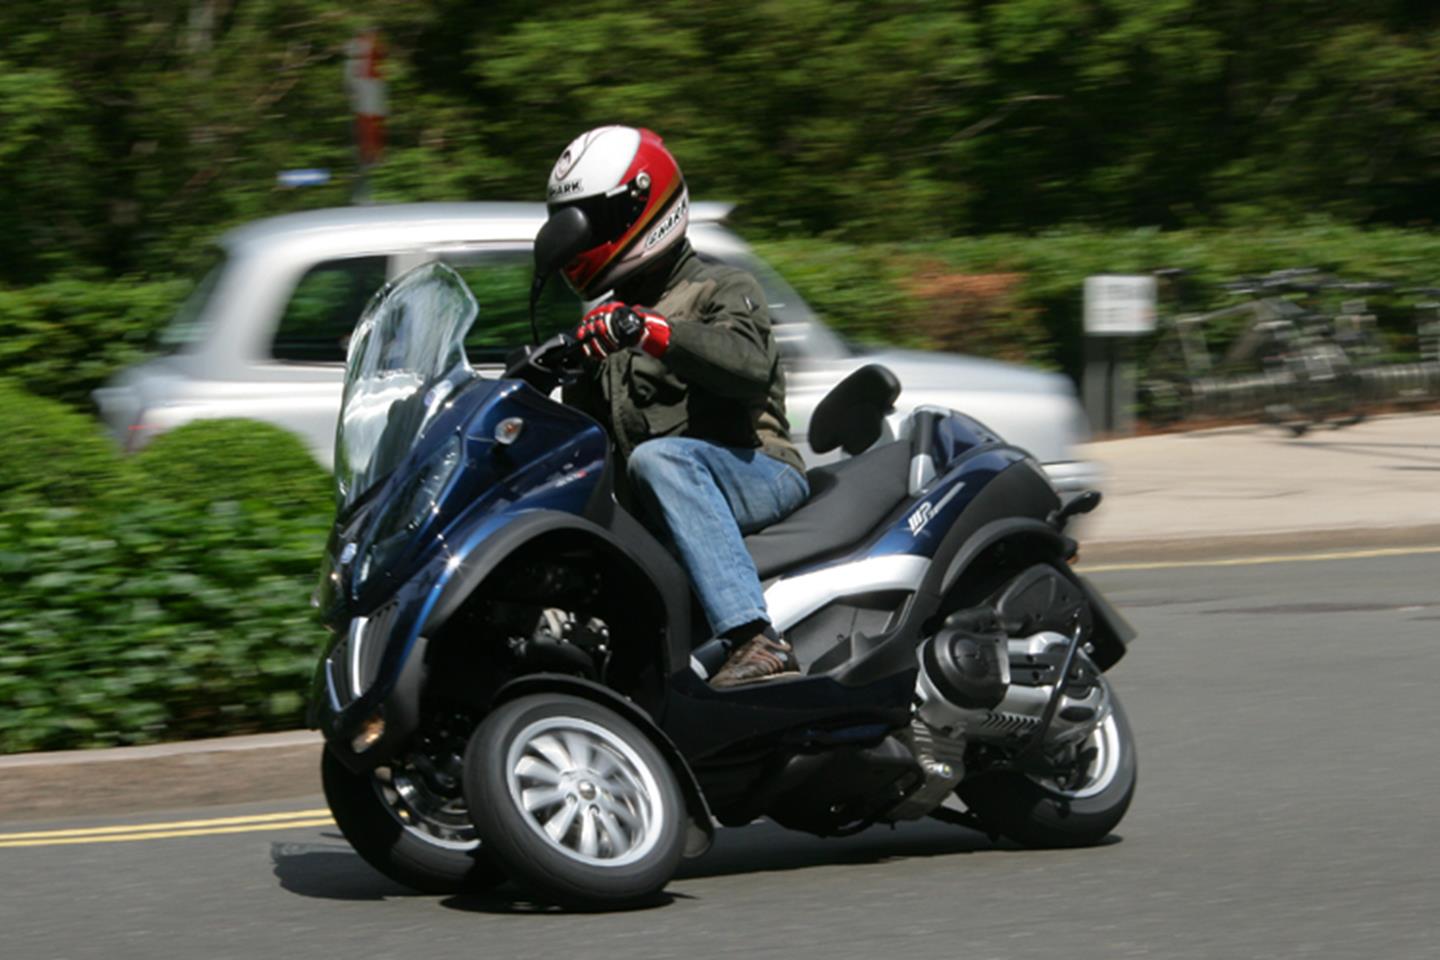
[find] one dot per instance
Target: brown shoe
(762, 657)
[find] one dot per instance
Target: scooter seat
(848, 500)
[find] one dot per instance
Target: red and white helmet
(630, 189)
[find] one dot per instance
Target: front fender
(702, 832)
(480, 553)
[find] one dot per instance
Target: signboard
(312, 177)
(1119, 306)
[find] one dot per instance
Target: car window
(323, 309)
(187, 326)
(500, 280)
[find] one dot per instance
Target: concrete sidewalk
(1238, 490)
(1231, 492)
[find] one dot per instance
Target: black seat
(847, 500)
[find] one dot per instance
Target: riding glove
(614, 326)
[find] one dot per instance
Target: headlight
(411, 510)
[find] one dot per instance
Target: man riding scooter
(684, 373)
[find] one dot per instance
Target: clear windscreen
(406, 356)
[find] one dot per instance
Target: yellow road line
(33, 841)
(260, 818)
(1255, 561)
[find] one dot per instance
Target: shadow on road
(766, 846)
(333, 871)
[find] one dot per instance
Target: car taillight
(137, 433)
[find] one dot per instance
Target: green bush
(158, 623)
(57, 457)
(63, 338)
(213, 460)
(158, 597)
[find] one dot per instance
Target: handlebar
(553, 359)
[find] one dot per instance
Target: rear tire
(406, 853)
(1041, 814)
(575, 802)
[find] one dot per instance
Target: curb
(195, 773)
(277, 766)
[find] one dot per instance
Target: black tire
(403, 853)
(1037, 815)
(644, 835)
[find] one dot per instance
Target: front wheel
(1039, 812)
(407, 828)
(575, 802)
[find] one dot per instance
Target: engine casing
(957, 688)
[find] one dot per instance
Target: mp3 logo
(920, 517)
(927, 511)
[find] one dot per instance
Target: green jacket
(720, 379)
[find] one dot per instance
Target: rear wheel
(407, 827)
(575, 802)
(1041, 812)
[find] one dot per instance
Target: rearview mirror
(564, 235)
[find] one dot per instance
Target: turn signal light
(507, 431)
(369, 734)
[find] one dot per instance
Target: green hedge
(1025, 291)
(63, 339)
(178, 610)
(213, 460)
(55, 457)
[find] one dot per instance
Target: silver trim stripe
(357, 637)
(792, 599)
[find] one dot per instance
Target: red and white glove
(614, 326)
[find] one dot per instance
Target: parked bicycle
(1291, 362)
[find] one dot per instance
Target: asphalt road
(1289, 774)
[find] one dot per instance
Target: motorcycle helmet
(630, 189)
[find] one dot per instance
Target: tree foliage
(131, 130)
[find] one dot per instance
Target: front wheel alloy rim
(439, 820)
(584, 791)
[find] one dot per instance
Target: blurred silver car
(264, 333)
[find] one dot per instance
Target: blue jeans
(708, 497)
